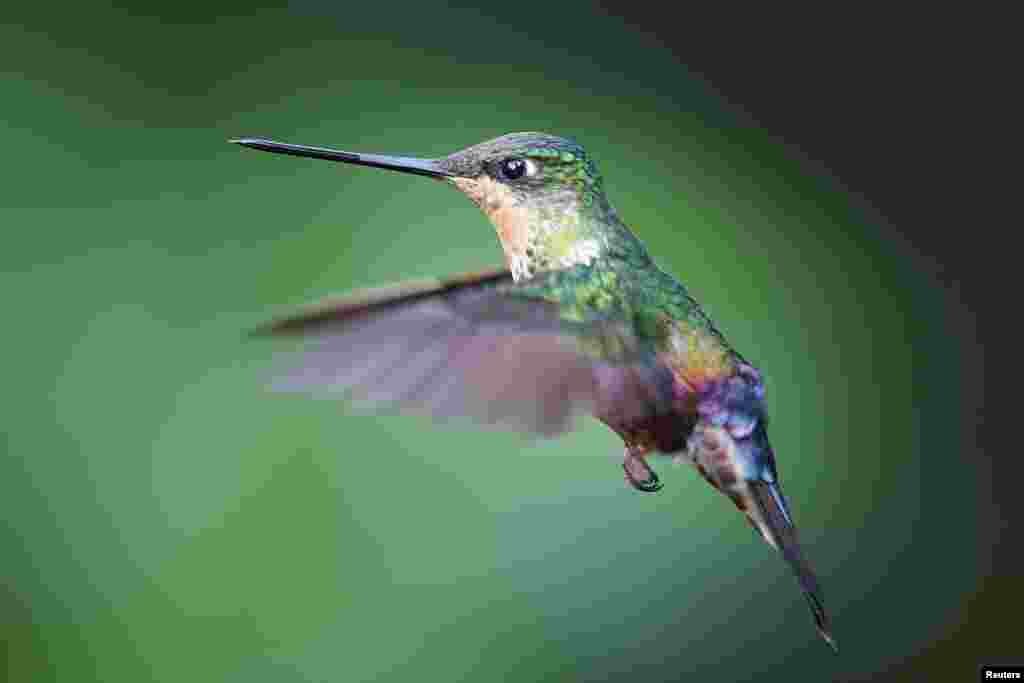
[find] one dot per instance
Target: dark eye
(513, 169)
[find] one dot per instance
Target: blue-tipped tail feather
(771, 517)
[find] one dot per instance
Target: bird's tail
(768, 513)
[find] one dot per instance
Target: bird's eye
(514, 169)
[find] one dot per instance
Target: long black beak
(426, 167)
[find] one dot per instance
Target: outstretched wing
(526, 356)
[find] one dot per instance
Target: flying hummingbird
(580, 321)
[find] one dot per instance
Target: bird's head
(543, 193)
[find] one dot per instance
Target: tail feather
(771, 517)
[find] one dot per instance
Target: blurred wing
(478, 346)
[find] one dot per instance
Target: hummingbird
(579, 320)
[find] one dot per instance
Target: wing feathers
(471, 346)
(377, 300)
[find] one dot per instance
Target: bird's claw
(649, 485)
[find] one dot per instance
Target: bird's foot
(640, 475)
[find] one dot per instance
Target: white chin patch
(581, 252)
(519, 264)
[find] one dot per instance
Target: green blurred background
(169, 519)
